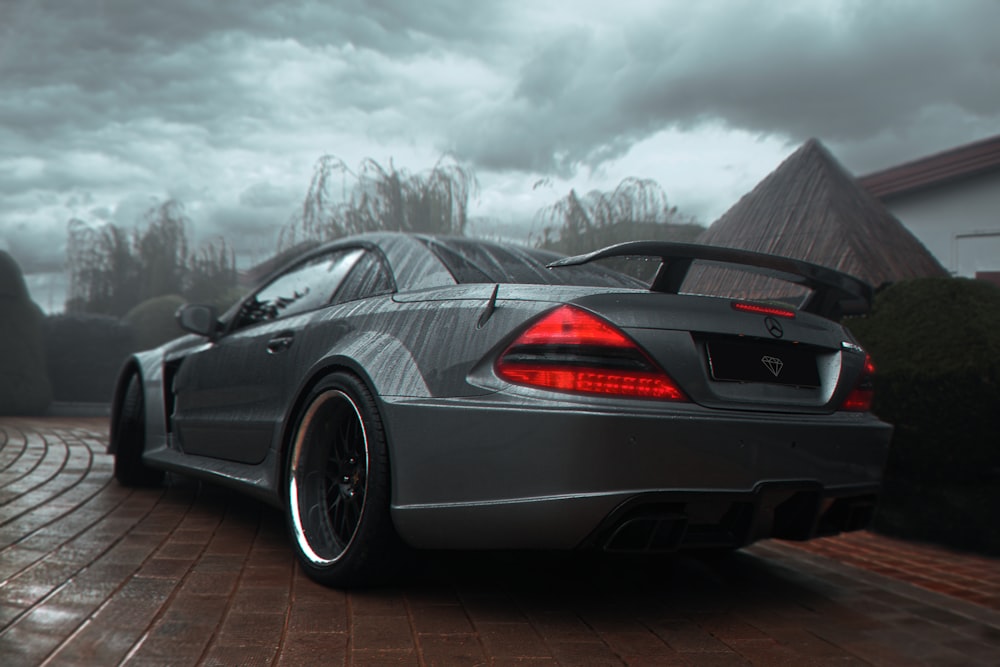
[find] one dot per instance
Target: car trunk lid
(723, 357)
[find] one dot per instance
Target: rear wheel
(130, 440)
(338, 486)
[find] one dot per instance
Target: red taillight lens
(640, 385)
(567, 325)
(763, 309)
(861, 397)
(570, 349)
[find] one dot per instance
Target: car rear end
(638, 421)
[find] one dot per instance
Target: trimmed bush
(85, 353)
(936, 344)
(153, 321)
(931, 325)
(24, 383)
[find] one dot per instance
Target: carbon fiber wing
(833, 293)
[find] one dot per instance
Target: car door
(231, 394)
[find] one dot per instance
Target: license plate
(751, 361)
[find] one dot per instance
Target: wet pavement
(95, 574)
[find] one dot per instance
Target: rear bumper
(712, 520)
(491, 474)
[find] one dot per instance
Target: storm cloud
(848, 74)
(110, 106)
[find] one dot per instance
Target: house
(811, 208)
(951, 202)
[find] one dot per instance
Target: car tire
(130, 440)
(337, 486)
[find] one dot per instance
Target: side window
(308, 286)
(369, 277)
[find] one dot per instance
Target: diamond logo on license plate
(774, 364)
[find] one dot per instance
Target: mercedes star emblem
(774, 327)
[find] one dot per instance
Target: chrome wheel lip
(297, 473)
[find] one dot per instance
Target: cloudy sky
(109, 106)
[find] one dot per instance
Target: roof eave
(956, 164)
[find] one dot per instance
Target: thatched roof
(811, 208)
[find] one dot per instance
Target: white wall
(940, 215)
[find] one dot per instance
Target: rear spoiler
(834, 294)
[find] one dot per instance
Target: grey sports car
(460, 394)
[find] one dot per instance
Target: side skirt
(257, 481)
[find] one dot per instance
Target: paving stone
(512, 640)
(258, 629)
(591, 654)
(318, 616)
(442, 620)
(322, 649)
(381, 632)
(561, 627)
(227, 655)
(377, 603)
(637, 643)
(452, 649)
(688, 637)
(250, 598)
(384, 657)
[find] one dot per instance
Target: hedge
(153, 321)
(85, 353)
(936, 344)
(24, 384)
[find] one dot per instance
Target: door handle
(280, 343)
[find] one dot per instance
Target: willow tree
(635, 209)
(341, 201)
(211, 276)
(103, 272)
(161, 250)
(112, 269)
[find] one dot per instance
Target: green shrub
(24, 383)
(85, 353)
(931, 325)
(947, 423)
(153, 321)
(936, 344)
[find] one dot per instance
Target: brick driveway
(94, 574)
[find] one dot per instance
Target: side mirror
(197, 319)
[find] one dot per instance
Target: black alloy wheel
(338, 485)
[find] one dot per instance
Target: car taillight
(861, 397)
(570, 349)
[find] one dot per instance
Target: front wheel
(130, 440)
(338, 486)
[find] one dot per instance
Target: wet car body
(473, 460)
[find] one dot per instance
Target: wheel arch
(381, 361)
(131, 368)
(330, 366)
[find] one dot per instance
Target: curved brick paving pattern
(94, 574)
